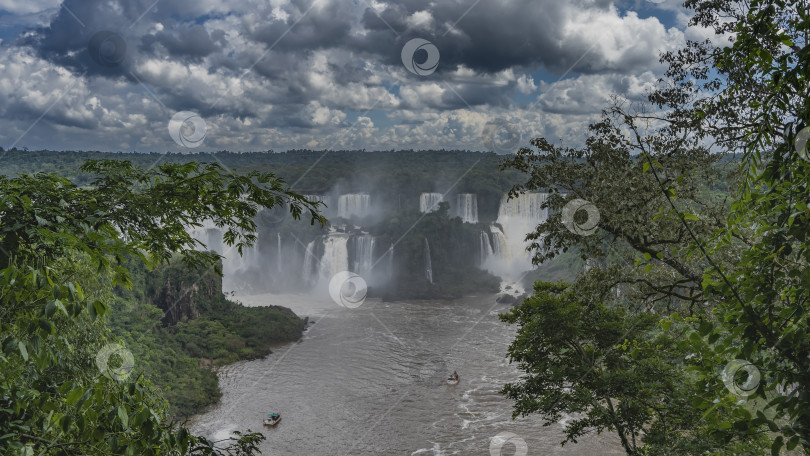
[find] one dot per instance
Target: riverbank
(180, 328)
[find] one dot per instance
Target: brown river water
(371, 381)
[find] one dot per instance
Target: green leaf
(46, 326)
(777, 445)
(793, 442)
(122, 415)
(50, 308)
(100, 307)
(74, 396)
(23, 350)
(65, 422)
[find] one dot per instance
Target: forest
(679, 325)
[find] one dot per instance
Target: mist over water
(517, 217)
(286, 260)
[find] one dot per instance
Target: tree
(608, 368)
(736, 285)
(65, 387)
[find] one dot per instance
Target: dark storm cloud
(185, 42)
(264, 70)
(490, 37)
(65, 41)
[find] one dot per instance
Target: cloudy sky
(321, 74)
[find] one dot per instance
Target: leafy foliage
(735, 286)
(55, 398)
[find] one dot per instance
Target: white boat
(272, 419)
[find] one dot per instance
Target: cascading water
(309, 264)
(467, 207)
(353, 205)
(363, 250)
(516, 217)
(335, 255)
(279, 256)
(526, 206)
(209, 234)
(315, 198)
(390, 254)
(486, 248)
(429, 202)
(500, 248)
(428, 264)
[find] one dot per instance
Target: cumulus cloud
(293, 73)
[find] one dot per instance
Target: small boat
(272, 419)
(453, 379)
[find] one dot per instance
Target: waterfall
(467, 207)
(335, 255)
(279, 260)
(363, 250)
(315, 198)
(526, 206)
(353, 205)
(429, 202)
(486, 247)
(500, 247)
(213, 239)
(309, 263)
(517, 217)
(428, 265)
(391, 260)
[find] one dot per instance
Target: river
(370, 381)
